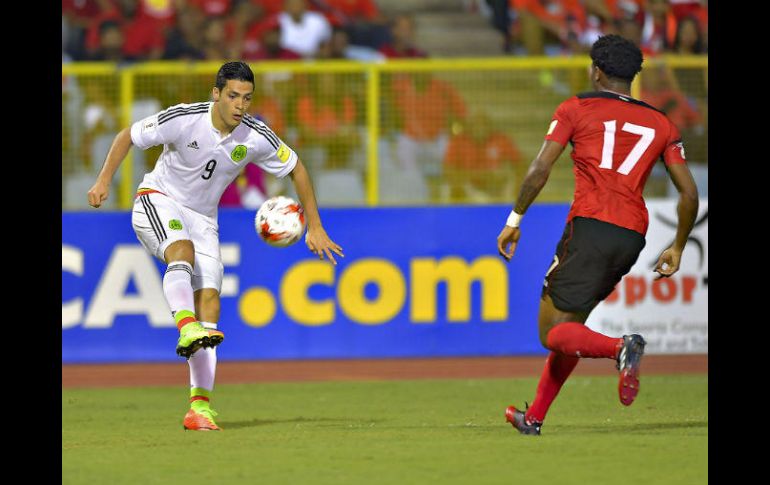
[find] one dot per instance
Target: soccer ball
(280, 221)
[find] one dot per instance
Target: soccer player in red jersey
(615, 140)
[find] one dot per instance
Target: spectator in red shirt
(402, 39)
(79, 16)
(482, 163)
(143, 35)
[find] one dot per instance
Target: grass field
(426, 431)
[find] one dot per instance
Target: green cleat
(193, 337)
(200, 420)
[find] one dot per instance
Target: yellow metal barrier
(407, 143)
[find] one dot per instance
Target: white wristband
(514, 219)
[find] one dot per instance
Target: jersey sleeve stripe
(185, 113)
(262, 131)
(260, 126)
(173, 111)
(177, 109)
(182, 111)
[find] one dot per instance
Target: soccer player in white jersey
(205, 147)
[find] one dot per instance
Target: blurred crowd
(141, 30)
(434, 144)
(564, 27)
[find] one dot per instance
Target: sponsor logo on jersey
(175, 224)
(551, 128)
(193, 145)
(283, 153)
(147, 126)
(238, 153)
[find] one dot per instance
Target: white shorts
(160, 221)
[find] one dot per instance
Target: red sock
(576, 339)
(558, 367)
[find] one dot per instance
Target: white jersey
(197, 164)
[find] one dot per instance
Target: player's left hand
(319, 243)
(668, 262)
(509, 235)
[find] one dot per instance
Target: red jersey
(615, 140)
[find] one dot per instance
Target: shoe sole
(203, 342)
(200, 429)
(628, 387)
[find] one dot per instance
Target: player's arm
(317, 239)
(533, 183)
(687, 211)
(118, 151)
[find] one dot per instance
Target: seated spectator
(426, 108)
(110, 43)
(482, 163)
(361, 19)
(540, 22)
(215, 45)
(338, 47)
(184, 40)
(263, 43)
(326, 118)
(79, 15)
(211, 8)
(270, 8)
(143, 35)
(302, 30)
(243, 17)
(659, 89)
(689, 39)
(659, 27)
(402, 42)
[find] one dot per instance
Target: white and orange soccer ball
(280, 221)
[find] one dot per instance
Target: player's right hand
(668, 262)
(98, 194)
(509, 235)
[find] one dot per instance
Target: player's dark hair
(617, 57)
(237, 70)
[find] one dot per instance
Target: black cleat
(629, 359)
(517, 419)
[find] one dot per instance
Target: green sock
(199, 398)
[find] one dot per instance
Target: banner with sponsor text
(415, 282)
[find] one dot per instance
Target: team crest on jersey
(175, 224)
(238, 153)
(283, 153)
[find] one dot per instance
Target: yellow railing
(490, 83)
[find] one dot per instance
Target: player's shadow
(331, 422)
(634, 428)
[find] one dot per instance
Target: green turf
(437, 431)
